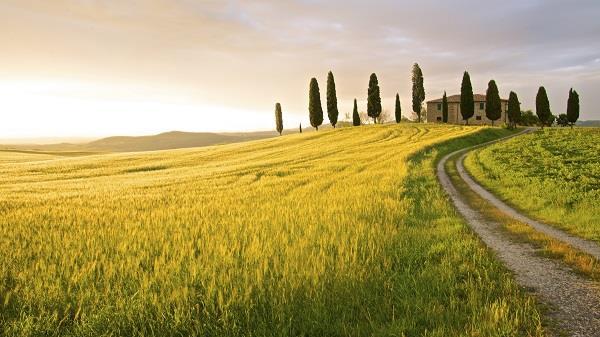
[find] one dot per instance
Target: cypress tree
(514, 109)
(542, 106)
(315, 110)
(418, 90)
(373, 98)
(278, 119)
(398, 110)
(300, 128)
(467, 104)
(332, 108)
(445, 108)
(493, 105)
(355, 116)
(573, 107)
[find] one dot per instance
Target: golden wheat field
(333, 233)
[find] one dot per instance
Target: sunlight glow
(59, 108)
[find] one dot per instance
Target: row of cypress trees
(315, 110)
(493, 104)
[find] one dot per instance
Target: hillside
(163, 141)
(171, 140)
(332, 233)
(589, 123)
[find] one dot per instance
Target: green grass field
(553, 175)
(333, 233)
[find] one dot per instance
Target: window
(481, 106)
(439, 119)
(439, 106)
(478, 117)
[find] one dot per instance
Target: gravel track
(574, 301)
(590, 247)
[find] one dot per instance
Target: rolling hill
(171, 140)
(163, 141)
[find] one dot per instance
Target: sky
(88, 68)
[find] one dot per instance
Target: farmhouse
(434, 111)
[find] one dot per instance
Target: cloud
(249, 54)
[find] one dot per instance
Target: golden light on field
(329, 233)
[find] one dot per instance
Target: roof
(456, 99)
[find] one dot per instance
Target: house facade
(434, 111)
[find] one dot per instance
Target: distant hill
(171, 140)
(163, 141)
(595, 123)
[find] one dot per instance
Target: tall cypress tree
(493, 105)
(398, 110)
(332, 108)
(542, 106)
(355, 116)
(278, 118)
(445, 108)
(373, 98)
(315, 110)
(514, 109)
(467, 104)
(573, 107)
(418, 90)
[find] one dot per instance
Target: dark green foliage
(445, 108)
(467, 104)
(542, 107)
(493, 105)
(355, 116)
(573, 107)
(300, 128)
(563, 120)
(398, 110)
(278, 118)
(550, 121)
(418, 90)
(315, 110)
(373, 98)
(332, 108)
(528, 118)
(514, 109)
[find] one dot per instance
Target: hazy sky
(101, 67)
